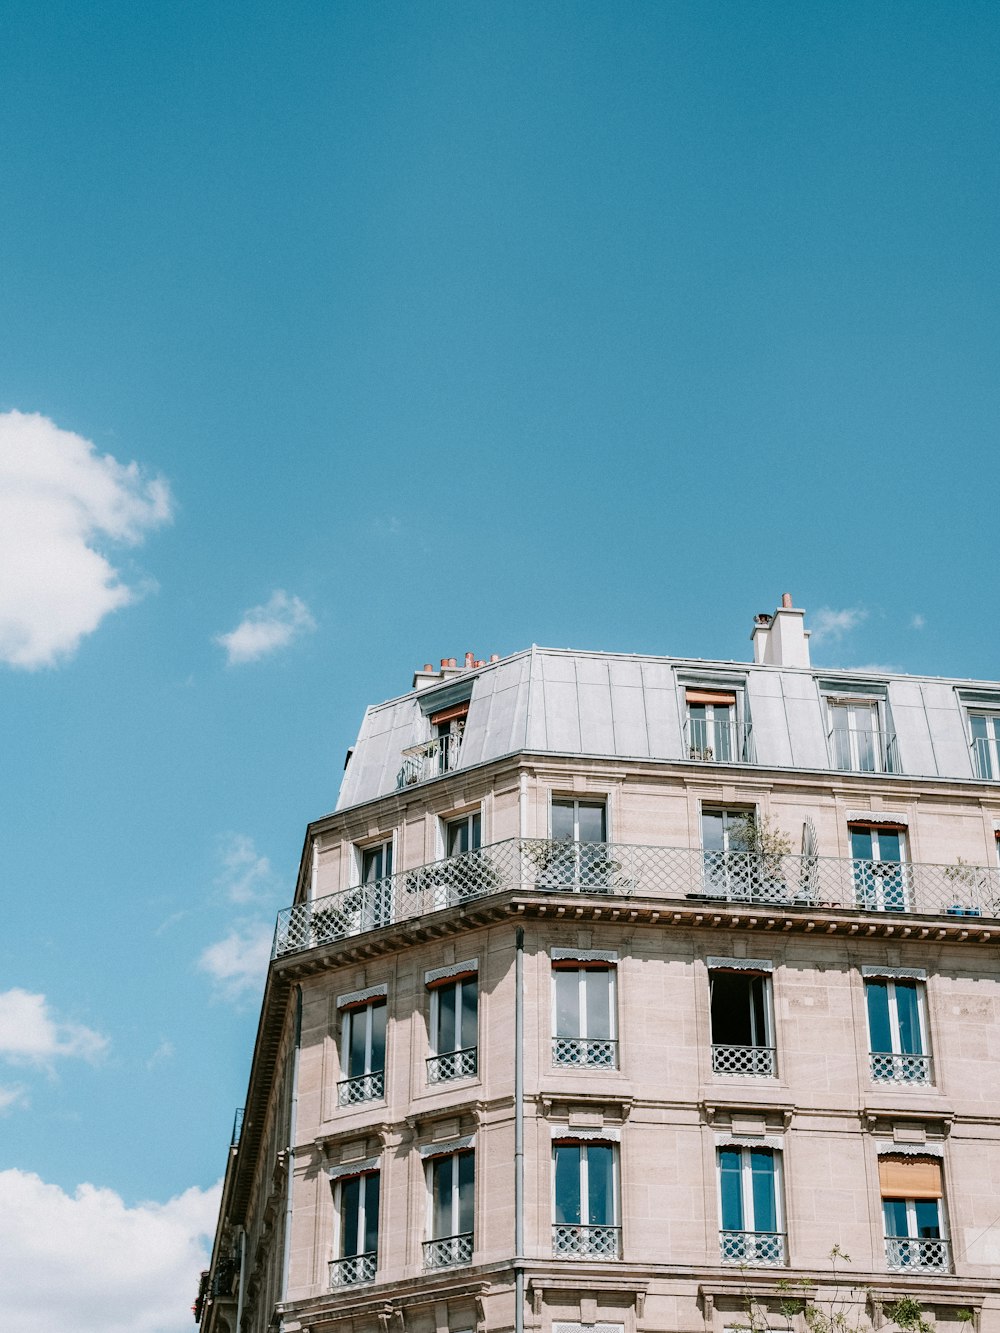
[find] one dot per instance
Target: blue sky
(427, 327)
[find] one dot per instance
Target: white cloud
(89, 1263)
(30, 1033)
(265, 629)
(164, 1052)
(918, 621)
(829, 624)
(59, 502)
(238, 963)
(245, 873)
(16, 1095)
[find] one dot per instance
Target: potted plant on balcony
(970, 882)
(762, 848)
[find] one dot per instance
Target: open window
(717, 726)
(742, 1019)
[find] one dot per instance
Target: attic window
(457, 713)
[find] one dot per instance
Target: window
(858, 737)
(713, 728)
(985, 732)
(742, 1023)
(448, 727)
(911, 1210)
(897, 1029)
(463, 835)
(454, 1028)
(451, 1180)
(356, 1210)
(362, 1053)
(730, 868)
(376, 882)
(583, 1018)
(586, 1201)
(464, 873)
(583, 860)
(750, 1207)
(881, 876)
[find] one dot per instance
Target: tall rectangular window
(586, 1201)
(451, 1180)
(362, 1053)
(376, 894)
(912, 1213)
(881, 875)
(897, 1030)
(454, 1028)
(356, 1207)
(714, 728)
(750, 1207)
(742, 1023)
(580, 858)
(985, 733)
(859, 740)
(465, 873)
(584, 1015)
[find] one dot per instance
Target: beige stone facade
(735, 1058)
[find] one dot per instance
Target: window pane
(446, 996)
(697, 727)
(373, 863)
(567, 1183)
(731, 1009)
(928, 1219)
(470, 1032)
(458, 837)
(357, 1044)
(371, 1212)
(713, 830)
(722, 731)
(567, 1002)
(861, 844)
(563, 829)
(600, 1180)
(350, 1193)
(598, 993)
(591, 821)
(730, 1178)
(758, 1021)
(765, 1216)
(878, 1015)
(894, 1212)
(477, 830)
(466, 1192)
(379, 1010)
(441, 1188)
(909, 1018)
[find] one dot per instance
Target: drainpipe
(522, 806)
(519, 1132)
(292, 1117)
(243, 1269)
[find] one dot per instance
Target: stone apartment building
(617, 992)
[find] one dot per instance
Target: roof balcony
(886, 889)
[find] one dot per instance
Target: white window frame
(767, 989)
(876, 710)
(581, 969)
(568, 1141)
(448, 822)
(348, 1016)
(361, 849)
(456, 1203)
(435, 990)
(990, 744)
(338, 1225)
(921, 994)
(576, 800)
(746, 1185)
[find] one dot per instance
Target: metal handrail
(675, 874)
(881, 746)
(760, 1249)
(719, 742)
(917, 1254)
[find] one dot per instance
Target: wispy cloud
(162, 1055)
(61, 505)
(89, 1262)
(828, 624)
(265, 629)
(245, 873)
(31, 1034)
(918, 621)
(238, 963)
(11, 1096)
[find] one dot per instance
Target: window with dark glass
(750, 1206)
(451, 1180)
(584, 1017)
(356, 1201)
(881, 876)
(580, 858)
(362, 1057)
(454, 1028)
(586, 1201)
(897, 1029)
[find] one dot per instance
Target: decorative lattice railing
(625, 869)
(585, 1052)
(363, 1088)
(453, 1064)
(448, 1251)
(762, 1249)
(908, 1254)
(756, 1061)
(353, 1269)
(888, 1067)
(590, 1242)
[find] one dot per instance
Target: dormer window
(716, 725)
(985, 732)
(448, 726)
(859, 736)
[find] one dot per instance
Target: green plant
(908, 1314)
(761, 838)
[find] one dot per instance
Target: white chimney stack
(781, 639)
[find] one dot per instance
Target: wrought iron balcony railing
(757, 1249)
(352, 1269)
(429, 759)
(755, 1061)
(908, 1254)
(585, 1052)
(986, 757)
(622, 870)
(570, 1241)
(863, 750)
(363, 1088)
(890, 1067)
(453, 1064)
(448, 1251)
(719, 742)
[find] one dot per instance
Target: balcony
(863, 750)
(744, 1061)
(718, 742)
(448, 1252)
(670, 874)
(909, 1254)
(364, 1088)
(755, 1249)
(891, 1067)
(570, 1241)
(353, 1269)
(453, 1064)
(429, 760)
(585, 1052)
